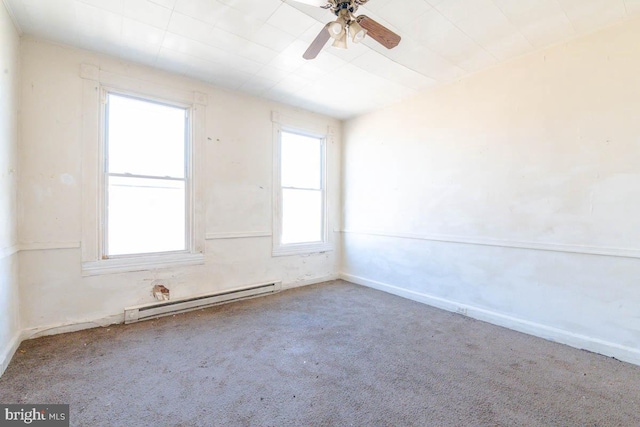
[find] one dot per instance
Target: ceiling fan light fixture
(337, 29)
(357, 32)
(348, 25)
(341, 42)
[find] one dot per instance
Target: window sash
(310, 229)
(300, 160)
(281, 248)
(147, 218)
(187, 141)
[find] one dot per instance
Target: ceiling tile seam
(157, 55)
(169, 8)
(274, 12)
(417, 16)
(165, 27)
(157, 58)
(164, 34)
(213, 28)
(210, 61)
(599, 28)
(208, 24)
(464, 32)
(517, 27)
(411, 69)
(268, 47)
(420, 16)
(202, 57)
(418, 72)
(575, 30)
(121, 13)
(260, 92)
(389, 80)
(244, 12)
(280, 80)
(351, 62)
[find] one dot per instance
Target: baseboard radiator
(165, 308)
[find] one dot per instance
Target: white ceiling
(256, 46)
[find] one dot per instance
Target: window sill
(142, 263)
(302, 249)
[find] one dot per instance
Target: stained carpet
(334, 354)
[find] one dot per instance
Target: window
(301, 196)
(146, 180)
(142, 174)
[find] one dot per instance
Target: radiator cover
(165, 308)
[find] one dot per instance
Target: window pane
(301, 216)
(301, 161)
(145, 216)
(145, 138)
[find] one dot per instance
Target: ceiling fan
(348, 24)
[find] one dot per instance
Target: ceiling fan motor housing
(350, 6)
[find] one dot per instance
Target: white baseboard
(62, 328)
(7, 354)
(307, 282)
(620, 352)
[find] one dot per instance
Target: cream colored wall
(238, 193)
(512, 196)
(9, 100)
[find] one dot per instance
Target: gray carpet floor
(334, 354)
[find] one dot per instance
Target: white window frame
(95, 87)
(283, 124)
(105, 172)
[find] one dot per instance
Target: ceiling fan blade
(379, 32)
(318, 3)
(316, 46)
